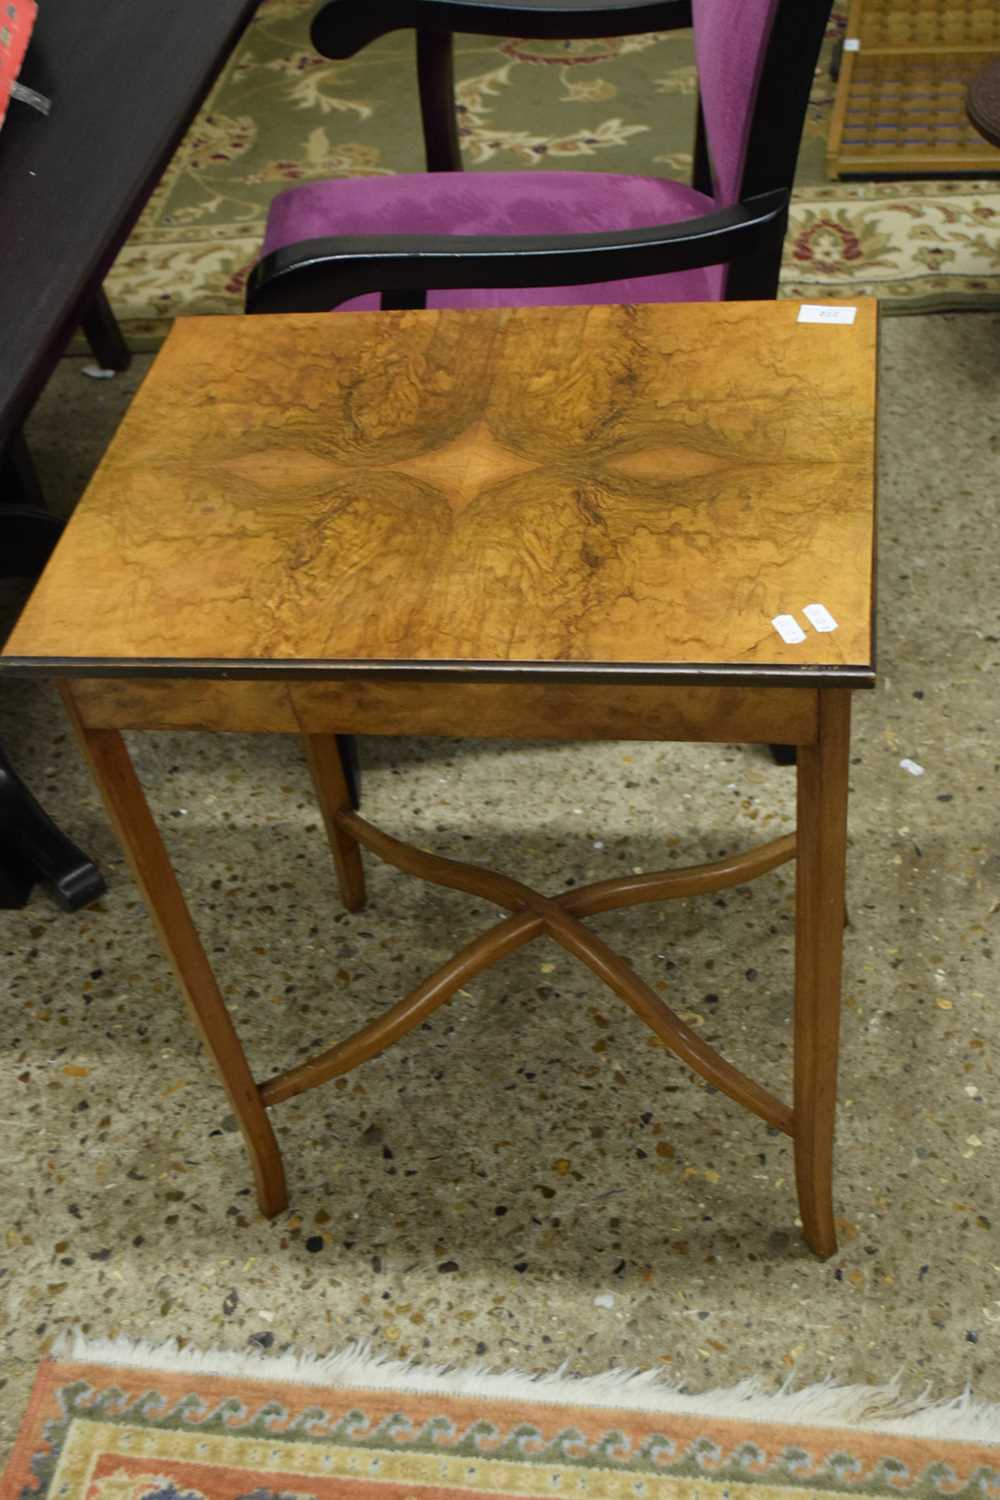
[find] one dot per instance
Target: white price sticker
(816, 312)
(852, 44)
(789, 629)
(819, 617)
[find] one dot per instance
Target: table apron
(477, 710)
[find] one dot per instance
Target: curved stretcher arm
(314, 275)
(344, 27)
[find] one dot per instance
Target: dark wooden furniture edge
(295, 279)
(86, 294)
(343, 27)
(630, 674)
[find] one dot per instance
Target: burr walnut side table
(647, 522)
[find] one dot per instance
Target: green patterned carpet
(280, 115)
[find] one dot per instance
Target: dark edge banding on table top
(625, 674)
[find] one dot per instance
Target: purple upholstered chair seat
(498, 203)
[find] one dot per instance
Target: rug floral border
(111, 1434)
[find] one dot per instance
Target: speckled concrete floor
(476, 1190)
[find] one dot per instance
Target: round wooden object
(983, 102)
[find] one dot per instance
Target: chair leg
(28, 535)
(405, 300)
(333, 793)
(436, 81)
(350, 759)
(103, 333)
(819, 934)
(19, 480)
(754, 278)
(35, 849)
(129, 812)
(16, 881)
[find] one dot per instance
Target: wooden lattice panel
(900, 106)
(929, 23)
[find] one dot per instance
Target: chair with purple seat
(512, 239)
(519, 238)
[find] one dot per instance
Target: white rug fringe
(860, 1408)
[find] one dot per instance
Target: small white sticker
(815, 312)
(819, 617)
(852, 44)
(789, 629)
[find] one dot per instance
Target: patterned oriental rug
(281, 115)
(128, 1422)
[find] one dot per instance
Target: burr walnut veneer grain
(560, 489)
(563, 522)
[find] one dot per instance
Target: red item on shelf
(17, 17)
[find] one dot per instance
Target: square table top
(618, 492)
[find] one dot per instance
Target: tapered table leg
(819, 938)
(133, 822)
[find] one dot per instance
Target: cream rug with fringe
(121, 1420)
